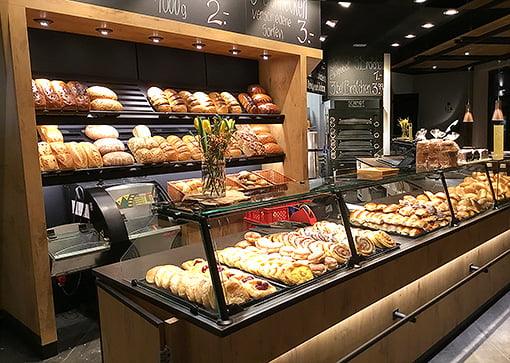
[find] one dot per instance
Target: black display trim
(118, 172)
(137, 117)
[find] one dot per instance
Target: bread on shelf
(78, 154)
(52, 98)
(193, 105)
(231, 101)
(247, 103)
(205, 101)
(94, 158)
(105, 104)
(50, 133)
(219, 103)
(108, 145)
(38, 96)
(99, 92)
(79, 91)
(65, 94)
(118, 158)
(96, 132)
(175, 100)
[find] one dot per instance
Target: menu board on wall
(290, 21)
(317, 81)
(355, 77)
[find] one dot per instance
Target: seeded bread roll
(118, 158)
(175, 100)
(50, 133)
(99, 92)
(79, 91)
(53, 100)
(109, 145)
(219, 103)
(96, 132)
(38, 96)
(232, 103)
(65, 94)
(44, 148)
(94, 158)
(105, 104)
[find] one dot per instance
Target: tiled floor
(487, 340)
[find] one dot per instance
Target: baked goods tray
(197, 309)
(380, 252)
(354, 225)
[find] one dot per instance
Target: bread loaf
(96, 132)
(64, 158)
(118, 158)
(109, 145)
(175, 100)
(268, 108)
(99, 92)
(78, 154)
(136, 143)
(156, 155)
(79, 91)
(53, 100)
(105, 104)
(219, 103)
(247, 103)
(158, 100)
(232, 103)
(38, 96)
(182, 149)
(205, 101)
(169, 152)
(261, 98)
(158, 139)
(256, 88)
(248, 142)
(142, 156)
(48, 163)
(266, 138)
(94, 158)
(141, 131)
(194, 148)
(273, 148)
(44, 148)
(68, 100)
(50, 133)
(193, 105)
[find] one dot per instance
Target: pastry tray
(354, 225)
(380, 252)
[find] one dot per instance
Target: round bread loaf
(141, 131)
(96, 92)
(109, 145)
(106, 104)
(96, 132)
(118, 158)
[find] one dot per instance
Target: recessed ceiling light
(234, 50)
(419, 1)
(199, 45)
(344, 4)
(155, 38)
(467, 53)
(450, 12)
(323, 38)
(410, 36)
(434, 67)
(265, 55)
(427, 25)
(395, 45)
(44, 22)
(359, 45)
(104, 31)
(331, 23)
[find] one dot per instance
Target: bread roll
(109, 145)
(247, 103)
(169, 152)
(98, 92)
(48, 163)
(193, 105)
(136, 143)
(44, 148)
(159, 139)
(53, 100)
(261, 98)
(96, 132)
(68, 100)
(175, 100)
(156, 155)
(64, 158)
(232, 103)
(118, 158)
(142, 156)
(141, 131)
(105, 104)
(182, 149)
(256, 88)
(38, 96)
(78, 154)
(50, 133)
(79, 91)
(266, 138)
(273, 148)
(268, 108)
(158, 100)
(205, 101)
(94, 158)
(219, 103)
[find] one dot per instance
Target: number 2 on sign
(305, 32)
(211, 19)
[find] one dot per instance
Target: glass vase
(214, 178)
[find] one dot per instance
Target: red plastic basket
(270, 214)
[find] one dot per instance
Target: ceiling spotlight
(199, 45)
(155, 38)
(410, 36)
(450, 12)
(234, 50)
(265, 55)
(395, 45)
(344, 4)
(359, 45)
(323, 38)
(467, 53)
(419, 1)
(434, 67)
(331, 23)
(44, 22)
(427, 25)
(104, 31)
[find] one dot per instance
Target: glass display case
(276, 248)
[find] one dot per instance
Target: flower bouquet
(213, 139)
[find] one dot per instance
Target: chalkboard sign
(355, 77)
(317, 81)
(290, 21)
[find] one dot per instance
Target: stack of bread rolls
(54, 154)
(257, 100)
(111, 148)
(166, 101)
(149, 149)
(267, 139)
(248, 142)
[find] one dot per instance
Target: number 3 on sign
(305, 32)
(211, 19)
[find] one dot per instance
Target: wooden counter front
(328, 325)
